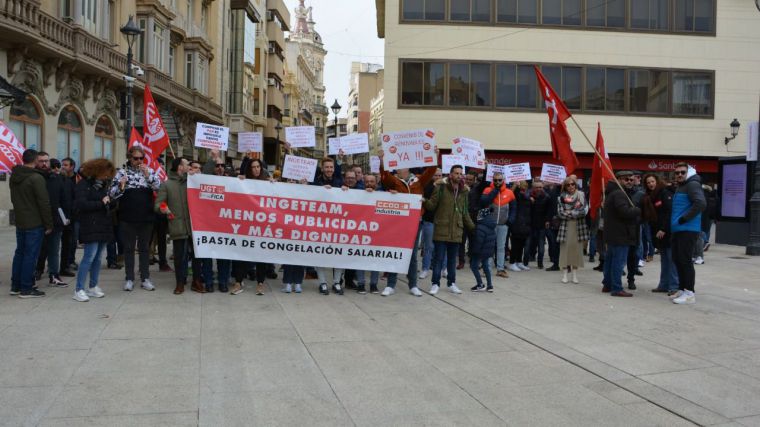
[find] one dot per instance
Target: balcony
(276, 98)
(320, 109)
(276, 66)
(279, 8)
(275, 34)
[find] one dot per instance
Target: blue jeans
(614, 261)
(293, 274)
(501, 245)
(450, 251)
(475, 264)
(668, 272)
(427, 242)
(28, 244)
(592, 246)
(411, 274)
(646, 241)
(223, 270)
(361, 277)
(90, 263)
(536, 243)
(53, 248)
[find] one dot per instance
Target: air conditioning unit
(271, 82)
(272, 49)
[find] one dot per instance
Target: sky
(349, 32)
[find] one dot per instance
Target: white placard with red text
(252, 220)
(374, 164)
(492, 169)
(211, 136)
(471, 150)
(300, 136)
(555, 174)
(11, 149)
(409, 149)
(517, 172)
(356, 143)
(449, 160)
(250, 142)
(299, 168)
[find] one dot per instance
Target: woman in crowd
(573, 231)
(93, 206)
(520, 228)
(656, 208)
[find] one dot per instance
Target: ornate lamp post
(336, 109)
(278, 128)
(131, 31)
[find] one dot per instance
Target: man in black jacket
(539, 222)
(60, 209)
(621, 223)
(68, 237)
(553, 228)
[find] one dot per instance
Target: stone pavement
(535, 352)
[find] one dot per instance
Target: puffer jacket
(451, 216)
(95, 219)
(504, 205)
(173, 192)
(29, 196)
(688, 204)
(483, 243)
(520, 227)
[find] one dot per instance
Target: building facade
(376, 122)
(665, 78)
(366, 81)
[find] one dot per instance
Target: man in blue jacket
(685, 224)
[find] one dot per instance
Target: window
(89, 18)
(648, 91)
(104, 138)
(141, 48)
(505, 86)
(459, 84)
(159, 40)
(605, 89)
(650, 14)
(571, 87)
(69, 139)
(26, 124)
(694, 15)
(595, 92)
(428, 10)
(411, 83)
(204, 17)
(434, 83)
(526, 86)
(189, 12)
(561, 12)
(480, 90)
(201, 82)
(615, 92)
(470, 10)
(189, 70)
(692, 94)
(605, 13)
(172, 65)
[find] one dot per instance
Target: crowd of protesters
(505, 226)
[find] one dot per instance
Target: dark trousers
(115, 247)
(182, 252)
(161, 226)
(137, 236)
(632, 262)
(535, 245)
(293, 274)
(240, 270)
(682, 246)
(551, 235)
(516, 253)
(68, 247)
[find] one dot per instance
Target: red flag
(600, 175)
(558, 113)
(153, 127)
(11, 149)
(150, 160)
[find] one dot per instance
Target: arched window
(69, 134)
(26, 124)
(104, 138)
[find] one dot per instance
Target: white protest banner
(287, 224)
(250, 142)
(210, 136)
(471, 150)
(300, 136)
(409, 149)
(517, 172)
(553, 173)
(356, 143)
(333, 146)
(374, 164)
(449, 160)
(299, 168)
(492, 169)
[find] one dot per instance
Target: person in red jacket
(504, 211)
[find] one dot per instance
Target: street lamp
(131, 31)
(278, 128)
(734, 129)
(336, 109)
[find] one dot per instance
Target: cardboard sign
(553, 173)
(374, 164)
(252, 142)
(409, 149)
(333, 146)
(300, 136)
(212, 137)
(449, 160)
(492, 169)
(517, 172)
(471, 150)
(356, 143)
(299, 168)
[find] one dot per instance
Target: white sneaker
(95, 292)
(147, 285)
(415, 291)
(388, 291)
(433, 290)
(423, 274)
(81, 296)
(454, 289)
(699, 260)
(641, 263)
(129, 285)
(686, 298)
(287, 289)
(676, 295)
(513, 267)
(523, 267)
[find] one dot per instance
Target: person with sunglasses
(503, 213)
(133, 187)
(685, 224)
(621, 222)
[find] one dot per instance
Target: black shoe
(361, 290)
(67, 273)
(351, 285)
(489, 288)
(599, 267)
(373, 289)
(639, 273)
(478, 288)
(15, 291)
(540, 265)
(153, 260)
(553, 268)
(659, 290)
(114, 266)
(323, 289)
(338, 289)
(56, 282)
(272, 275)
(34, 293)
(591, 259)
(223, 288)
(631, 286)
(209, 289)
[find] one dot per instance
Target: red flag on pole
(11, 149)
(558, 113)
(150, 160)
(600, 175)
(153, 127)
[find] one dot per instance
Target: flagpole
(174, 156)
(606, 165)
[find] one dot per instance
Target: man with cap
(621, 220)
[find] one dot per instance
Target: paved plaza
(535, 352)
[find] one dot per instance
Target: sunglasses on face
(220, 165)
(681, 172)
(498, 180)
(571, 185)
(137, 158)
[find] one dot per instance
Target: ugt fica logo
(212, 192)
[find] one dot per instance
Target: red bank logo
(384, 207)
(212, 192)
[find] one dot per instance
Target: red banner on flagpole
(153, 127)
(558, 113)
(600, 175)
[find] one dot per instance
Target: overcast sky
(349, 32)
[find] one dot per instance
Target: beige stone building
(376, 122)
(365, 82)
(665, 78)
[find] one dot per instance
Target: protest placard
(281, 223)
(553, 173)
(300, 136)
(299, 168)
(449, 160)
(492, 169)
(333, 146)
(517, 172)
(356, 143)
(374, 164)
(250, 142)
(212, 137)
(409, 149)
(471, 150)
